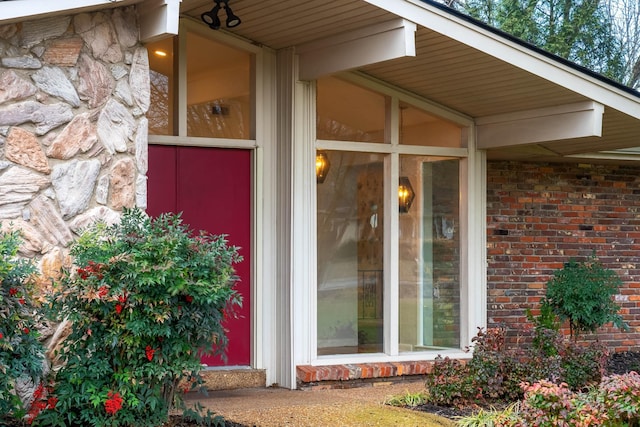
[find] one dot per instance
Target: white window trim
(473, 234)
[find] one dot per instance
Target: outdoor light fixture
(211, 18)
(405, 194)
(322, 166)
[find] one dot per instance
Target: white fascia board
(158, 19)
(569, 121)
(21, 10)
(508, 51)
(353, 49)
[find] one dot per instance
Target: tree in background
(625, 17)
(601, 35)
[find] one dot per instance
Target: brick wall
(540, 215)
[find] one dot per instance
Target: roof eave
(21, 10)
(517, 53)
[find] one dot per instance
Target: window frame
(471, 203)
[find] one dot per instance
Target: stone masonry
(74, 91)
(541, 215)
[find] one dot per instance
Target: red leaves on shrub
(188, 298)
(13, 292)
(118, 308)
(103, 291)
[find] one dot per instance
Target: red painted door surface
(212, 189)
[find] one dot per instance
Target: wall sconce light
(322, 166)
(405, 194)
(213, 21)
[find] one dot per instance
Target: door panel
(212, 189)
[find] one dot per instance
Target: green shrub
(582, 292)
(582, 364)
(450, 383)
(21, 354)
(146, 300)
(546, 327)
(496, 372)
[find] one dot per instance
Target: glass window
(429, 255)
(161, 110)
(358, 115)
(219, 101)
(417, 127)
(350, 254)
(426, 278)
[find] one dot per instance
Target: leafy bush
(450, 383)
(620, 396)
(21, 354)
(146, 300)
(615, 402)
(582, 292)
(546, 327)
(582, 365)
(496, 372)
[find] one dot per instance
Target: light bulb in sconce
(405, 194)
(322, 166)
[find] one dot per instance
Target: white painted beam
(353, 49)
(20, 10)
(158, 19)
(569, 121)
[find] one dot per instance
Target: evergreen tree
(586, 32)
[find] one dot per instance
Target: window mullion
(182, 82)
(391, 266)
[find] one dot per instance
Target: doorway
(212, 188)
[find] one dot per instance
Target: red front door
(212, 189)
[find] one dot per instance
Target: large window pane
(418, 127)
(161, 110)
(429, 256)
(346, 112)
(350, 254)
(218, 90)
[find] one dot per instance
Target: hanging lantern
(405, 194)
(322, 166)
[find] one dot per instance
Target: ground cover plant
(145, 299)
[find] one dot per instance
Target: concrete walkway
(361, 406)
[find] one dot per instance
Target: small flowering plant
(21, 354)
(146, 299)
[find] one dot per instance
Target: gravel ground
(362, 406)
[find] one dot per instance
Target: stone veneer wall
(541, 215)
(74, 91)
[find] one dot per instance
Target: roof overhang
(527, 104)
(20, 10)
(158, 18)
